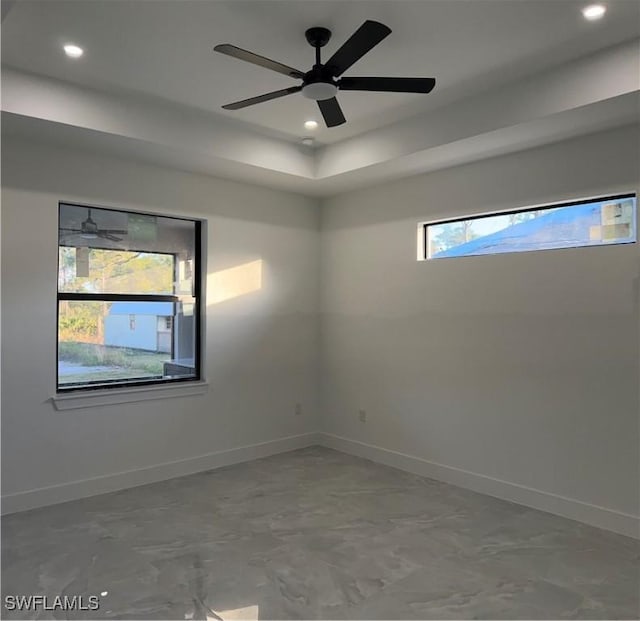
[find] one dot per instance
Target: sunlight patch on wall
(234, 282)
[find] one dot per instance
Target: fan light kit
(319, 91)
(321, 83)
(594, 11)
(73, 51)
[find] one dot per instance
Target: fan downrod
(318, 36)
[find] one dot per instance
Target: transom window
(592, 222)
(128, 298)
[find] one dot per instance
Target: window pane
(127, 283)
(611, 221)
(102, 342)
(93, 270)
(109, 251)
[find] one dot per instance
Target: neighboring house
(139, 325)
(562, 228)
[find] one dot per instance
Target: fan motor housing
(318, 36)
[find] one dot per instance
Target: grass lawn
(103, 376)
(123, 363)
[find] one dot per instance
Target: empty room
(319, 309)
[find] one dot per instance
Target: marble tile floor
(315, 534)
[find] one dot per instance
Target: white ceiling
(511, 75)
(163, 49)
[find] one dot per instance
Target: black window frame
(425, 226)
(126, 297)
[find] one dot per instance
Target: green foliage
(117, 271)
(454, 234)
(79, 324)
(81, 321)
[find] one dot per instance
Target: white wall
(520, 367)
(514, 374)
(261, 347)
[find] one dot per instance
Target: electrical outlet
(362, 415)
(298, 409)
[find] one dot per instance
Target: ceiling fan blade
(331, 112)
(114, 231)
(256, 59)
(106, 235)
(393, 85)
(260, 98)
(361, 41)
(71, 230)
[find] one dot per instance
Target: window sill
(78, 400)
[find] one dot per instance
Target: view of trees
(115, 271)
(105, 271)
(517, 218)
(451, 234)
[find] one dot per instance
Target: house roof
(559, 228)
(162, 309)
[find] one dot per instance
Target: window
(593, 222)
(128, 307)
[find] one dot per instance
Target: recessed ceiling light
(311, 125)
(73, 51)
(594, 11)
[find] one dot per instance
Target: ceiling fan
(321, 83)
(90, 230)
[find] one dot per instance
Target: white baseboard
(616, 521)
(21, 501)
